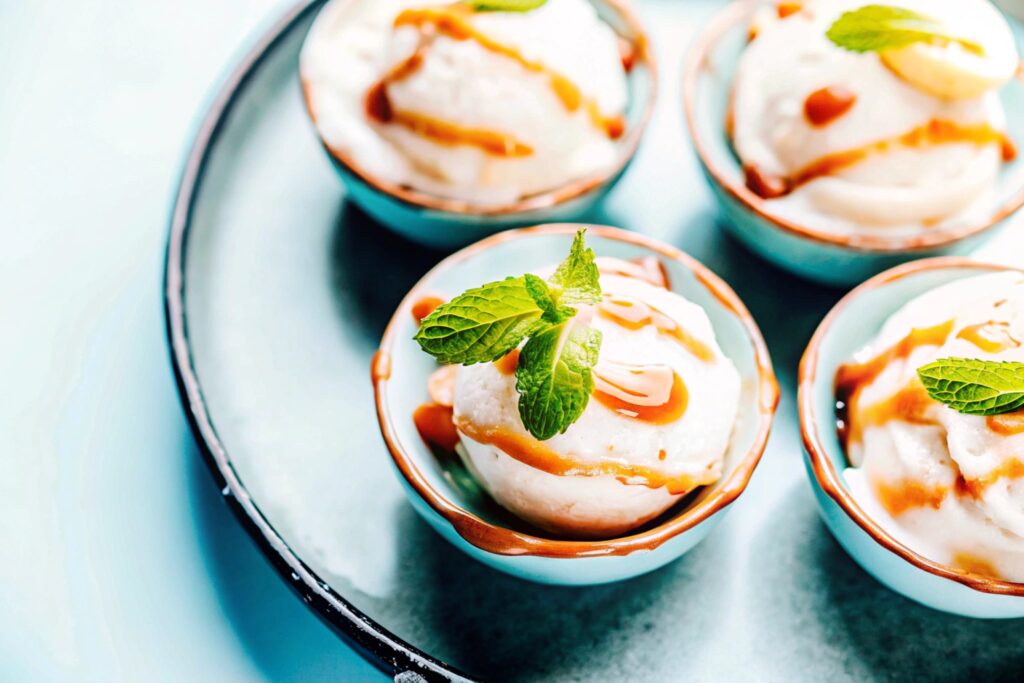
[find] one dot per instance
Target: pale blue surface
(118, 560)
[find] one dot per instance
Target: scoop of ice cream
(657, 426)
(948, 485)
(840, 140)
(486, 107)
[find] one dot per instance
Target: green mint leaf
(975, 387)
(545, 299)
(577, 276)
(874, 28)
(553, 377)
(481, 325)
(505, 5)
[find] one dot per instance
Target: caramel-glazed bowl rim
(826, 475)
(504, 541)
(696, 64)
(573, 189)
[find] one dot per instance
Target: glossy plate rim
(370, 639)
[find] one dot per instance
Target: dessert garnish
(975, 387)
(553, 371)
(874, 28)
(504, 5)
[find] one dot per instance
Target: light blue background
(118, 560)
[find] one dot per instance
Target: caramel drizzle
(935, 132)
(972, 564)
(424, 306)
(508, 363)
(436, 426)
(649, 316)
(453, 21)
(851, 378)
(826, 105)
(533, 453)
(1007, 424)
(991, 337)
(908, 495)
(666, 413)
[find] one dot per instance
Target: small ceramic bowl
(850, 326)
(446, 223)
(447, 498)
(803, 249)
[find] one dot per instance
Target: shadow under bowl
(849, 327)
(820, 255)
(457, 509)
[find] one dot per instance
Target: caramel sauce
(436, 426)
(991, 337)
(668, 412)
(653, 317)
(1007, 424)
(910, 404)
(935, 132)
(907, 495)
(646, 268)
(529, 451)
(424, 306)
(454, 22)
(380, 366)
(788, 9)
(1009, 150)
(507, 364)
(973, 564)
(824, 106)
(851, 378)
(1008, 469)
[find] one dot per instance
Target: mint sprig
(484, 323)
(505, 5)
(553, 377)
(874, 28)
(975, 387)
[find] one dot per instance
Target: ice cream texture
(480, 107)
(892, 142)
(948, 485)
(656, 427)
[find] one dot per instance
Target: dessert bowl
(429, 218)
(867, 536)
(804, 247)
(444, 493)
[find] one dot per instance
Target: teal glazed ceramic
(803, 249)
(448, 223)
(849, 327)
(446, 496)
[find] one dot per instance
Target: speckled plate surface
(278, 292)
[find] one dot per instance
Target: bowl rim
(562, 194)
(825, 474)
(696, 64)
(499, 540)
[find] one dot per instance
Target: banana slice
(951, 70)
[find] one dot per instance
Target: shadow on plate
(501, 628)
(823, 606)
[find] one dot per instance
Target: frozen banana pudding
(932, 417)
(586, 400)
(481, 102)
(862, 118)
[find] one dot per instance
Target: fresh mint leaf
(577, 276)
(975, 387)
(554, 378)
(554, 313)
(505, 5)
(874, 28)
(480, 325)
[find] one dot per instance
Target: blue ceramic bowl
(447, 497)
(850, 326)
(448, 223)
(803, 249)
